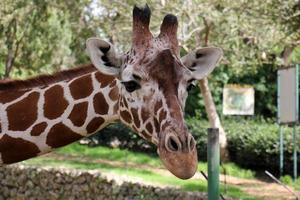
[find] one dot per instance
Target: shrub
(252, 143)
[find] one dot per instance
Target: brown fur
(141, 33)
(38, 129)
(126, 116)
(8, 96)
(104, 79)
(157, 126)
(149, 128)
(114, 94)
(162, 115)
(55, 102)
(158, 105)
(61, 135)
(167, 73)
(145, 114)
(46, 80)
(16, 149)
(22, 114)
(81, 87)
(134, 112)
(79, 113)
(100, 105)
(94, 124)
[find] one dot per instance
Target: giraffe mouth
(179, 158)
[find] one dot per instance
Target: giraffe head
(153, 83)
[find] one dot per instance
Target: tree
(39, 36)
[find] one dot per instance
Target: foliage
(39, 36)
(252, 143)
(263, 79)
(289, 181)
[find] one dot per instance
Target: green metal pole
(281, 150)
(295, 153)
(213, 159)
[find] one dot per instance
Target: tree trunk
(213, 116)
(287, 51)
(210, 107)
(9, 63)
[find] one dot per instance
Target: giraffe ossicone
(145, 89)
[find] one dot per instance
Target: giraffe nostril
(172, 144)
(191, 143)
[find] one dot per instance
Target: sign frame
(282, 78)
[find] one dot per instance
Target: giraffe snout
(178, 154)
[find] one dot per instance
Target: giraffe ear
(103, 56)
(202, 61)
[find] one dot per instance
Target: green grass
(289, 181)
(116, 154)
(109, 154)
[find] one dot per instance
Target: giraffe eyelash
(191, 84)
(131, 86)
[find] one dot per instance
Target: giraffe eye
(131, 86)
(191, 85)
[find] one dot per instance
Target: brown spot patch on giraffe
(104, 79)
(23, 114)
(55, 102)
(135, 115)
(164, 126)
(145, 114)
(79, 113)
(125, 115)
(149, 127)
(100, 105)
(114, 94)
(8, 96)
(146, 135)
(158, 105)
(162, 115)
(157, 126)
(61, 135)
(125, 102)
(16, 149)
(94, 124)
(81, 87)
(38, 129)
(113, 84)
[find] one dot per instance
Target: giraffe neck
(38, 120)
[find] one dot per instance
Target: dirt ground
(263, 189)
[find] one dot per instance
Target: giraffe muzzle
(179, 154)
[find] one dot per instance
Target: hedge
(252, 144)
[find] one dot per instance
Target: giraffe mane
(45, 80)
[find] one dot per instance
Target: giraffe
(145, 89)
